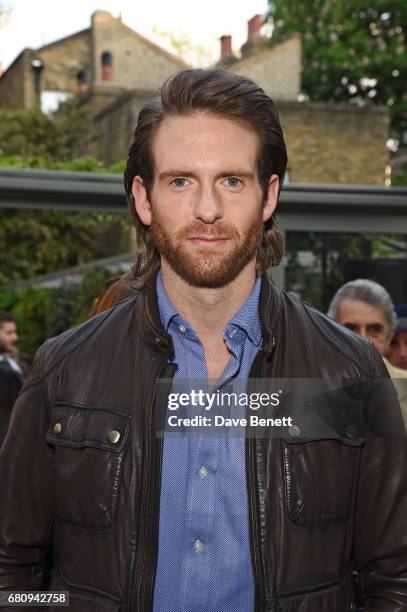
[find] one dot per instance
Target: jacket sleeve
(27, 495)
(381, 510)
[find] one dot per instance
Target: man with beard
(104, 501)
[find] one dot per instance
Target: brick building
(98, 64)
(114, 69)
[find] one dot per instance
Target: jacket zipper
(144, 556)
(252, 497)
(148, 550)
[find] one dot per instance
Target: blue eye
(179, 182)
(233, 181)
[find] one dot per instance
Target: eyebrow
(376, 325)
(189, 174)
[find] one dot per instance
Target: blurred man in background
(366, 308)
(13, 370)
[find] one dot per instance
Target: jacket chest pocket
(89, 445)
(319, 479)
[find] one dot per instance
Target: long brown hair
(224, 94)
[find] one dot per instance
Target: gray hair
(364, 290)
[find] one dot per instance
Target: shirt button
(203, 472)
(182, 329)
(198, 546)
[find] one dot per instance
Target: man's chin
(205, 273)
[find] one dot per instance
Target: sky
(35, 23)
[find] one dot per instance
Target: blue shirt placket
(204, 560)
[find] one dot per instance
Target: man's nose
(363, 332)
(208, 207)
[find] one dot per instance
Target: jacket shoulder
(56, 348)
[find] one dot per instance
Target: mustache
(221, 230)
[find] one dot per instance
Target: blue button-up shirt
(204, 558)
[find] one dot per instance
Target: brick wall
(62, 61)
(17, 83)
(115, 126)
(335, 143)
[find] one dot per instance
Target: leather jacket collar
(154, 333)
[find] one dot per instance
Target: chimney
(253, 27)
(101, 17)
(107, 66)
(225, 45)
(255, 43)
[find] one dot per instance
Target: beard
(206, 268)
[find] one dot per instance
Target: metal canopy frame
(302, 207)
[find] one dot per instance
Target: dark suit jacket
(10, 385)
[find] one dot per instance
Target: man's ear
(141, 202)
(270, 202)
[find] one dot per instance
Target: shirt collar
(248, 318)
(12, 363)
(166, 309)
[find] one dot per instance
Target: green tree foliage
(35, 242)
(400, 179)
(44, 312)
(352, 50)
(29, 133)
(40, 242)
(33, 134)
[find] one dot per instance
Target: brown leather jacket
(79, 505)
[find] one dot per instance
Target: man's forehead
(205, 137)
(8, 326)
(360, 311)
(204, 117)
